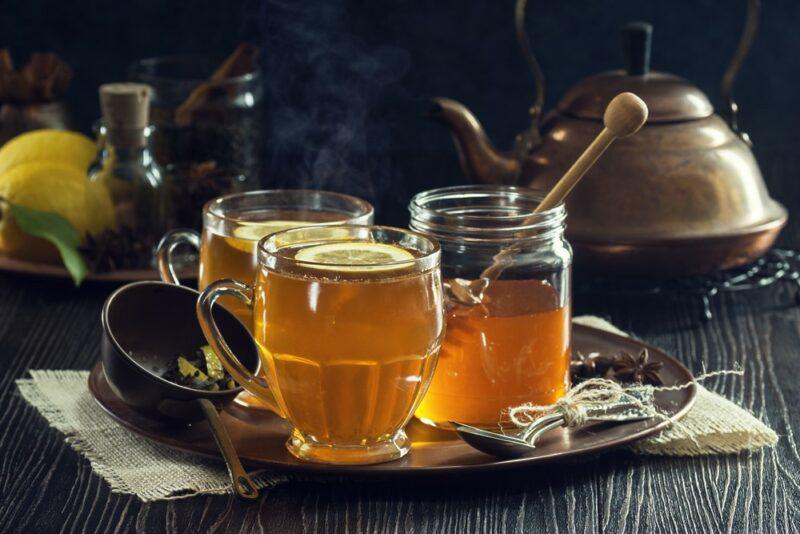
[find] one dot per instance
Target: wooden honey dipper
(624, 115)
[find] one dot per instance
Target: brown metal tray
(259, 435)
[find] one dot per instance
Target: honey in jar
(513, 347)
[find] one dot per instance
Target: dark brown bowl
(148, 324)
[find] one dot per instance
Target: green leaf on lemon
(59, 231)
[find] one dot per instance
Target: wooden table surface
(47, 487)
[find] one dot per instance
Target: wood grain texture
(46, 487)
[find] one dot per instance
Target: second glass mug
(233, 225)
(348, 345)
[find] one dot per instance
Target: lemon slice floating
(246, 235)
(256, 230)
(355, 256)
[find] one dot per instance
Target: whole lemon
(69, 148)
(55, 188)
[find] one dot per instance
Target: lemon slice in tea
(246, 235)
(256, 230)
(355, 256)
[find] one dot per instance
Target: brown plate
(259, 435)
(47, 270)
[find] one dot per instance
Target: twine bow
(593, 399)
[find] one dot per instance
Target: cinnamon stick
(240, 62)
(43, 79)
(6, 63)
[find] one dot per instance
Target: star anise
(123, 248)
(589, 366)
(629, 368)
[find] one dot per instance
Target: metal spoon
(523, 442)
(508, 445)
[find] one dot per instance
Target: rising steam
(322, 86)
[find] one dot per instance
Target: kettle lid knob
(636, 40)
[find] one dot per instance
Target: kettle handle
(745, 42)
(529, 140)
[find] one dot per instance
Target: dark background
(403, 53)
(348, 82)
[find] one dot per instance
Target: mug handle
(167, 245)
(205, 303)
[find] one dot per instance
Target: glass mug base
(248, 400)
(391, 448)
(446, 425)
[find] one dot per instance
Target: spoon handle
(542, 425)
(624, 115)
(242, 484)
(462, 428)
(543, 429)
(574, 174)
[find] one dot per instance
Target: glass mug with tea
(233, 224)
(348, 321)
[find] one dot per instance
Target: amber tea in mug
(231, 252)
(233, 224)
(348, 321)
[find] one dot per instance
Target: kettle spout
(481, 161)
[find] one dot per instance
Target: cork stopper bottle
(126, 165)
(126, 112)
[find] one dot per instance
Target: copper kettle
(683, 196)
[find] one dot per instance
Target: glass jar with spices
(513, 346)
(126, 166)
(207, 113)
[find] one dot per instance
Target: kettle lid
(669, 98)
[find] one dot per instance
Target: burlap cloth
(132, 464)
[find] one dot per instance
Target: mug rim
(428, 260)
(213, 209)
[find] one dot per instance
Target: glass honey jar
(513, 347)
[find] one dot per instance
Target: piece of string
(602, 393)
(592, 394)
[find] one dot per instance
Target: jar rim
(145, 70)
(485, 213)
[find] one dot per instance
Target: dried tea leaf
(213, 365)
(188, 370)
